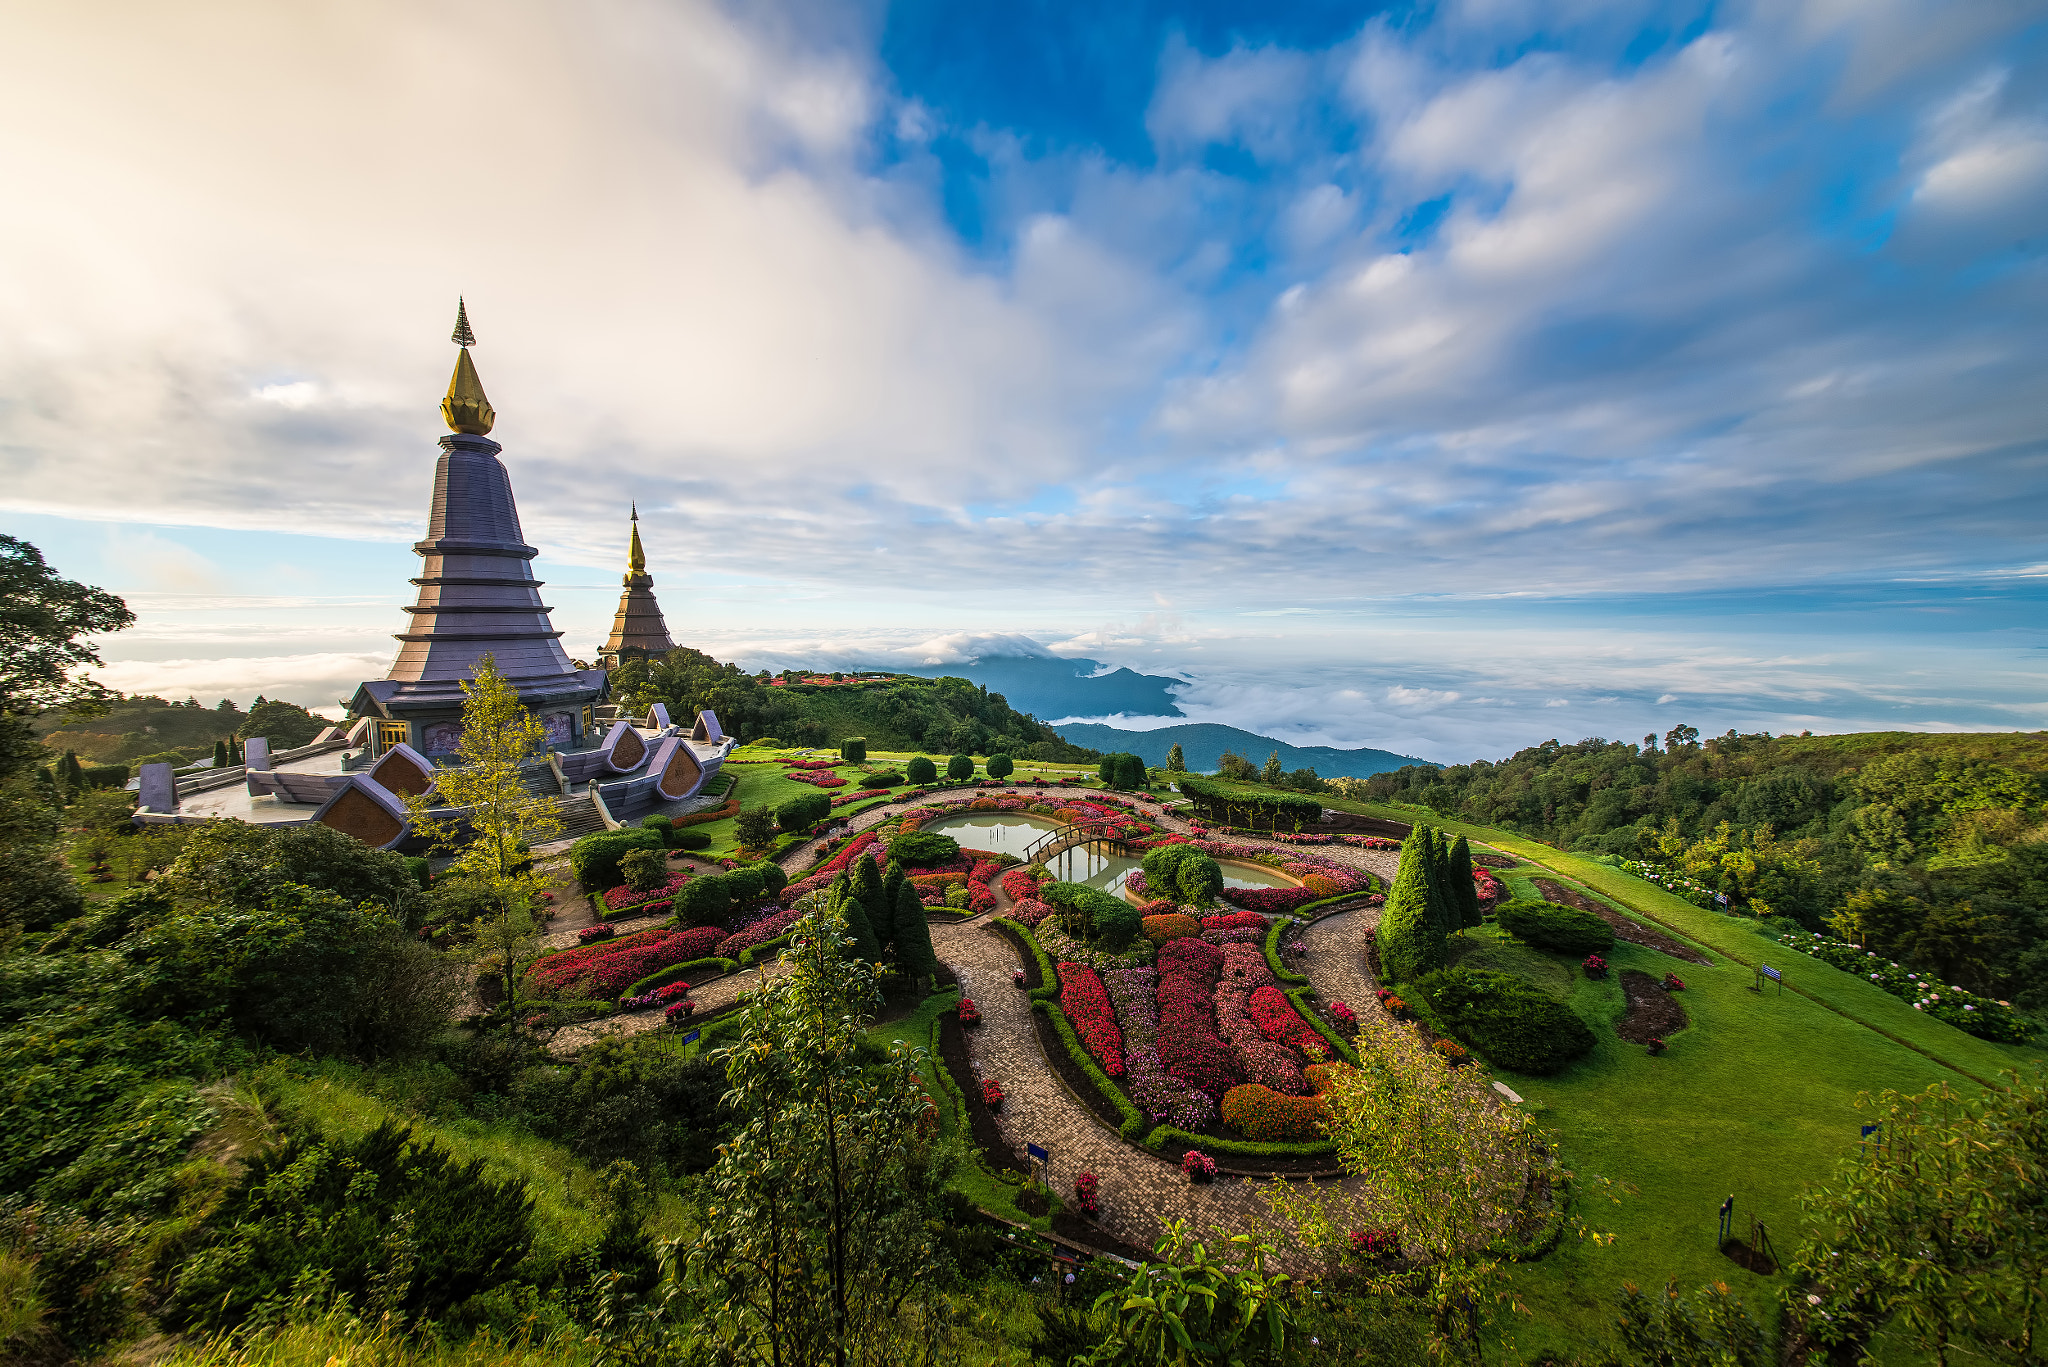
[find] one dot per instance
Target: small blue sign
(1773, 974)
(1040, 1154)
(1869, 1130)
(691, 1038)
(1722, 898)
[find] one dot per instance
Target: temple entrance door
(390, 733)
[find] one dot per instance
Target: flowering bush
(608, 967)
(1198, 1166)
(1022, 882)
(991, 1093)
(1395, 1007)
(1086, 1003)
(1030, 912)
(680, 1011)
(1085, 1187)
(817, 779)
(1189, 1047)
(1163, 1097)
(621, 897)
(761, 932)
(1673, 983)
(1452, 1051)
(1344, 1014)
(864, 843)
(969, 1013)
(1595, 966)
(590, 935)
(1980, 1016)
(1692, 890)
(1279, 1022)
(1374, 1243)
(1273, 1117)
(1487, 885)
(1171, 926)
(1259, 1059)
(1236, 920)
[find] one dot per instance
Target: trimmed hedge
(921, 770)
(676, 973)
(594, 858)
(1110, 919)
(1273, 809)
(803, 810)
(1134, 1122)
(1280, 970)
(1562, 929)
(921, 849)
(1048, 975)
(1244, 1148)
(1514, 1023)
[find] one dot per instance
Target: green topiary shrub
(1411, 940)
(921, 849)
(999, 766)
(1563, 930)
(645, 870)
(1514, 1023)
(1093, 913)
(803, 810)
(704, 900)
(594, 859)
(885, 779)
(921, 770)
(1184, 873)
(663, 826)
(854, 750)
(774, 878)
(960, 767)
(691, 840)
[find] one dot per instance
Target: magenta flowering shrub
(1220, 938)
(1279, 1022)
(1259, 1059)
(1198, 1166)
(1235, 920)
(621, 897)
(1189, 1047)
(1030, 912)
(759, 933)
(610, 966)
(1087, 1006)
(1344, 1014)
(1163, 1097)
(590, 935)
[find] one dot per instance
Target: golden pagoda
(639, 627)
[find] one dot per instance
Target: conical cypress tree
(913, 937)
(1443, 910)
(1410, 942)
(1463, 890)
(866, 886)
(71, 774)
(857, 923)
(220, 754)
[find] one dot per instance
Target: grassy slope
(1755, 1099)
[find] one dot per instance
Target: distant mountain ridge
(1047, 686)
(1202, 745)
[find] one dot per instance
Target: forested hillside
(1930, 849)
(896, 712)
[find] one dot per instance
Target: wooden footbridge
(1100, 834)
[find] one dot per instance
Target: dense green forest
(1932, 849)
(140, 728)
(896, 712)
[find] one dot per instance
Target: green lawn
(1755, 1099)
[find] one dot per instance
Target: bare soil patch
(1625, 927)
(1653, 1013)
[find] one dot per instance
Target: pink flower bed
(808, 763)
(1258, 1058)
(1086, 1003)
(864, 843)
(611, 966)
(1189, 1047)
(1235, 920)
(816, 778)
(1488, 886)
(1030, 911)
(1279, 1022)
(759, 933)
(1021, 883)
(621, 897)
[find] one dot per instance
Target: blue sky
(1442, 378)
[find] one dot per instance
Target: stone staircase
(579, 816)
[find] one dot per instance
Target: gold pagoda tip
(462, 336)
(636, 559)
(466, 408)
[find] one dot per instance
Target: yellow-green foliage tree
(499, 821)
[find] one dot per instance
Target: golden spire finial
(466, 408)
(636, 559)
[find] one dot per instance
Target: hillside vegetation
(894, 712)
(1932, 850)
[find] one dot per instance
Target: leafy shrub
(307, 1208)
(663, 826)
(960, 767)
(1172, 926)
(691, 840)
(1514, 1023)
(608, 967)
(854, 749)
(999, 766)
(754, 828)
(1094, 913)
(595, 858)
(922, 849)
(703, 900)
(801, 811)
(921, 770)
(887, 779)
(645, 870)
(1184, 873)
(1564, 930)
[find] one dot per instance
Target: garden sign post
(1044, 1157)
(1727, 1222)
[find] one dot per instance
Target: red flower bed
(1278, 1021)
(969, 1013)
(610, 966)
(1085, 1188)
(1270, 901)
(1086, 1003)
(759, 933)
(991, 1093)
(1271, 1117)
(864, 843)
(590, 935)
(816, 778)
(621, 897)
(1236, 920)
(1030, 911)
(1190, 1050)
(808, 763)
(1021, 883)
(1489, 886)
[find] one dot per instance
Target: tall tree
(1272, 773)
(1464, 892)
(1176, 763)
(847, 905)
(499, 819)
(1410, 940)
(914, 954)
(816, 1238)
(46, 623)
